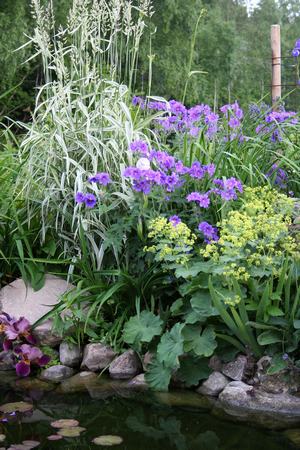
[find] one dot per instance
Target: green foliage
(254, 241)
(171, 347)
(192, 370)
(142, 328)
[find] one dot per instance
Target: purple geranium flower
(140, 147)
(234, 122)
(80, 197)
(175, 220)
(210, 232)
(101, 178)
(197, 170)
(202, 199)
(90, 200)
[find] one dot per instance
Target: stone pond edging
(237, 390)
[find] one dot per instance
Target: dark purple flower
(15, 329)
(28, 355)
(175, 220)
(296, 52)
(101, 178)
(281, 176)
(90, 201)
(210, 232)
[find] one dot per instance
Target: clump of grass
(82, 123)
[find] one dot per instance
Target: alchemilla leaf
(142, 328)
(158, 376)
(171, 346)
(201, 341)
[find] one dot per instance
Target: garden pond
(177, 420)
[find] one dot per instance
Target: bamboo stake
(276, 65)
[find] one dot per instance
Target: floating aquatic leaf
(31, 444)
(2, 437)
(19, 447)
(54, 437)
(65, 423)
(16, 407)
(108, 440)
(71, 432)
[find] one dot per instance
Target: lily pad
(54, 437)
(108, 440)
(65, 423)
(2, 437)
(71, 432)
(16, 407)
(31, 444)
(19, 447)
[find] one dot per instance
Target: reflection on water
(144, 423)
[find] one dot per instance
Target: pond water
(145, 422)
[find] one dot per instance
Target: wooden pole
(276, 65)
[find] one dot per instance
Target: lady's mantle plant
(19, 339)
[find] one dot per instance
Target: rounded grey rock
(125, 366)
(214, 384)
(97, 356)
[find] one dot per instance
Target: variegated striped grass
(82, 123)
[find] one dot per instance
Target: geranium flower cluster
(179, 118)
(281, 177)
(89, 199)
(275, 122)
(19, 339)
(192, 120)
(158, 168)
(296, 49)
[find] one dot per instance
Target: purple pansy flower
(14, 329)
(28, 355)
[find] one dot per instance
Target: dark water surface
(144, 422)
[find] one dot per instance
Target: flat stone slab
(19, 300)
(247, 404)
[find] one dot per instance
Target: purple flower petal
(23, 369)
